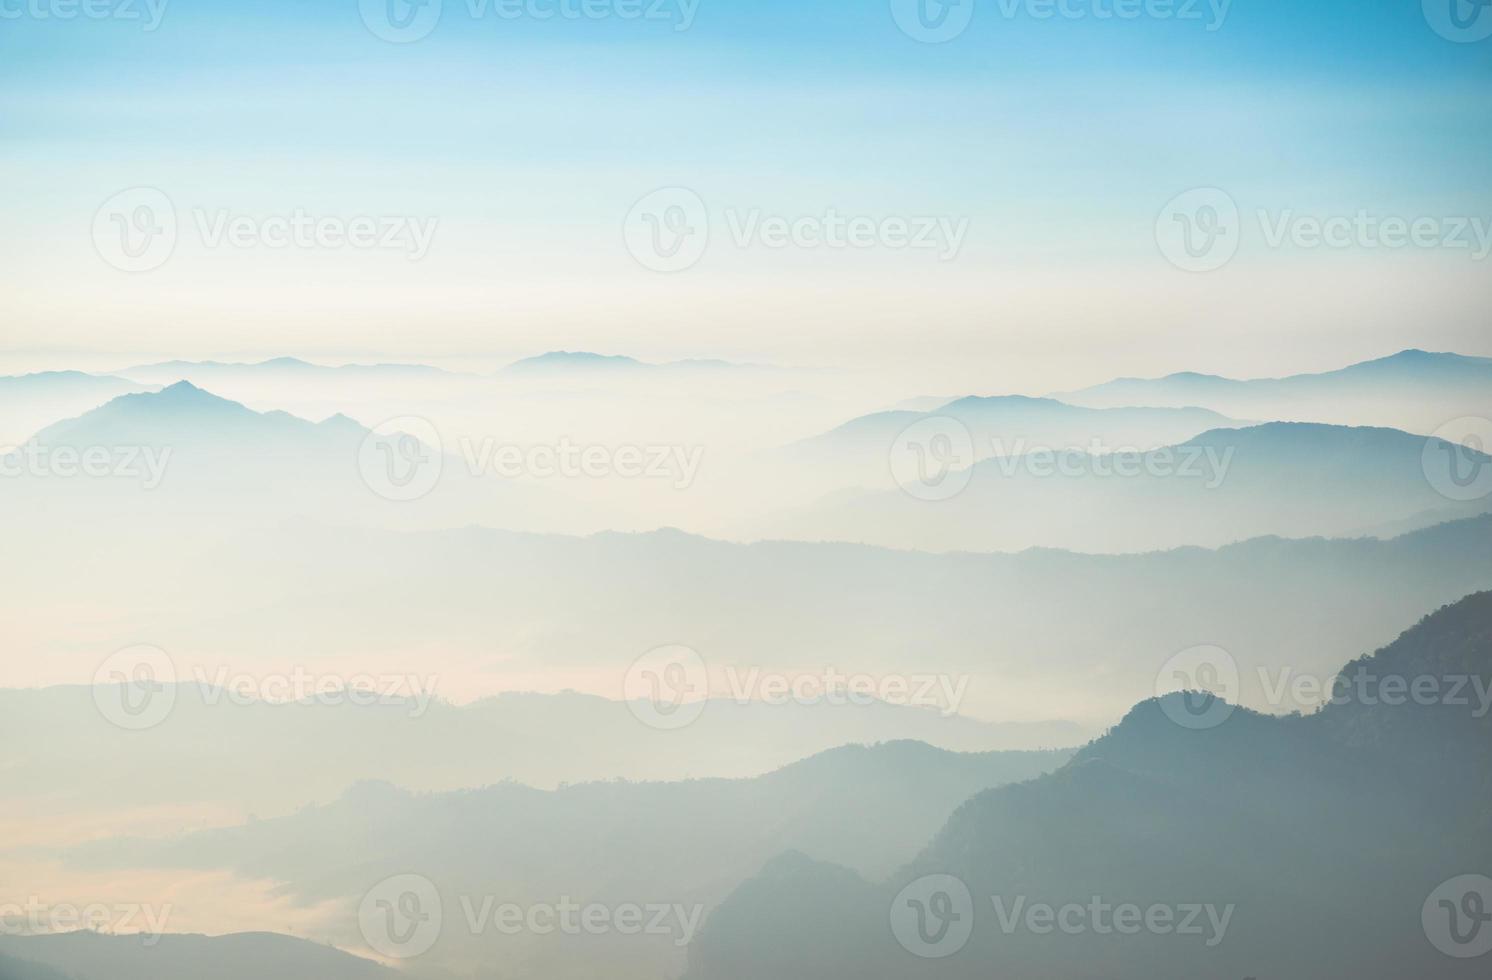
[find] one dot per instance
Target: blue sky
(1059, 140)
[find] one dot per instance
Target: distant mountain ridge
(1415, 390)
(29, 402)
(1290, 479)
(586, 362)
(184, 414)
(243, 956)
(292, 368)
(681, 843)
(858, 453)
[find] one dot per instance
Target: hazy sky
(1052, 144)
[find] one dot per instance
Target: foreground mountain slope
(16, 969)
(675, 844)
(1318, 839)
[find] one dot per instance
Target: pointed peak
(341, 423)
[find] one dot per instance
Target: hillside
(1322, 840)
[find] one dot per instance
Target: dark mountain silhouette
(244, 956)
(1325, 833)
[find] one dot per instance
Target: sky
(510, 155)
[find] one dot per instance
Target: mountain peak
(575, 359)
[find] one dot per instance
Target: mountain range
(29, 402)
(856, 454)
(680, 844)
(476, 605)
(1316, 845)
(585, 362)
(1414, 390)
(1225, 485)
(243, 956)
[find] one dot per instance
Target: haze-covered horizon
(730, 489)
